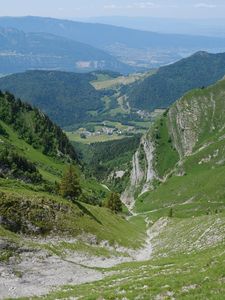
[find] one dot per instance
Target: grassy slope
(166, 155)
(196, 276)
(201, 186)
(50, 168)
(77, 218)
(64, 217)
(106, 82)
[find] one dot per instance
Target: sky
(91, 8)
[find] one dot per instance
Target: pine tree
(170, 215)
(114, 203)
(70, 186)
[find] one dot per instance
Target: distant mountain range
(207, 27)
(138, 48)
(20, 51)
(170, 82)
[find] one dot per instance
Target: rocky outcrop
(149, 156)
(184, 119)
(195, 116)
(142, 172)
(30, 215)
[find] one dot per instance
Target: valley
(112, 180)
(99, 254)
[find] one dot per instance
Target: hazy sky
(89, 8)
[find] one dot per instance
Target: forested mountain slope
(65, 97)
(172, 81)
(35, 128)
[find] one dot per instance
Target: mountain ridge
(133, 47)
(170, 82)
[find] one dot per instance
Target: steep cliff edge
(142, 172)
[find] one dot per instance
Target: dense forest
(171, 82)
(101, 160)
(65, 97)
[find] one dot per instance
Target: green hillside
(172, 81)
(34, 153)
(34, 127)
(188, 157)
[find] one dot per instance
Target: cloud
(205, 5)
(144, 4)
(134, 5)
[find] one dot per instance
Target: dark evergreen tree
(114, 203)
(170, 213)
(70, 185)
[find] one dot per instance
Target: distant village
(106, 130)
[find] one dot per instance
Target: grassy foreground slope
(182, 158)
(187, 263)
(30, 212)
(199, 276)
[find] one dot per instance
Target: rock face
(184, 123)
(149, 156)
(197, 117)
(193, 123)
(142, 172)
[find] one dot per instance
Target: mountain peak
(202, 53)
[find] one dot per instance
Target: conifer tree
(114, 203)
(70, 186)
(170, 213)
